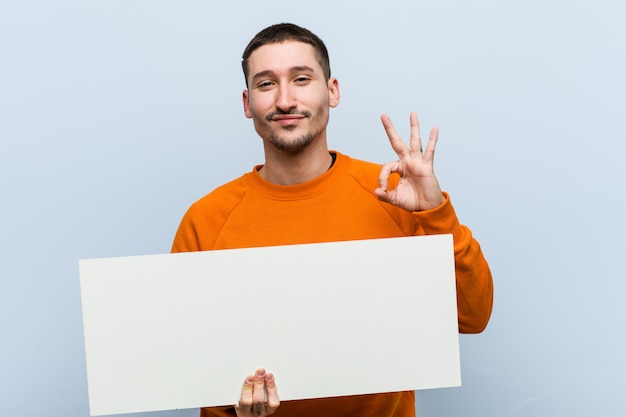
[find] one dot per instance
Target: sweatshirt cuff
(440, 220)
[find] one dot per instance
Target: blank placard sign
(183, 330)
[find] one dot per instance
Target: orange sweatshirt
(339, 205)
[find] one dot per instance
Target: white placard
(183, 330)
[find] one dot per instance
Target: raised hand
(418, 188)
(259, 396)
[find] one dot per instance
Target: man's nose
(286, 99)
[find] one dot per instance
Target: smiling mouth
(287, 117)
(290, 117)
(288, 122)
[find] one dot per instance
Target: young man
(304, 193)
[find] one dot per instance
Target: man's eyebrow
(262, 74)
(301, 68)
(297, 68)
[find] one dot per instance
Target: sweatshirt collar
(299, 191)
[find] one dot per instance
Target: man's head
(283, 32)
(289, 92)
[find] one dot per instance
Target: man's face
(288, 96)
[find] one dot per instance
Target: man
(304, 193)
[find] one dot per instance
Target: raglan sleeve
(186, 238)
(474, 282)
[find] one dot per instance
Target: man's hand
(259, 396)
(418, 188)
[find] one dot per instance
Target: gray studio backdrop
(116, 115)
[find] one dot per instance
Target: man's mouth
(277, 116)
(287, 119)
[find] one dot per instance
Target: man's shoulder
(359, 164)
(224, 196)
(367, 173)
(361, 169)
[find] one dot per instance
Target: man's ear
(333, 92)
(245, 96)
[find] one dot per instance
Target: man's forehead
(288, 54)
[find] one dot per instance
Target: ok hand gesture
(418, 188)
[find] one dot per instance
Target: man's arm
(418, 191)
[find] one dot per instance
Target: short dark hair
(282, 32)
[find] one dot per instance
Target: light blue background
(116, 115)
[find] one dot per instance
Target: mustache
(304, 113)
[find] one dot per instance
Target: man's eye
(302, 79)
(265, 84)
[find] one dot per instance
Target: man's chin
(291, 144)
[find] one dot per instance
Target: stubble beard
(298, 144)
(293, 145)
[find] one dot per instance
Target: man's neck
(289, 168)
